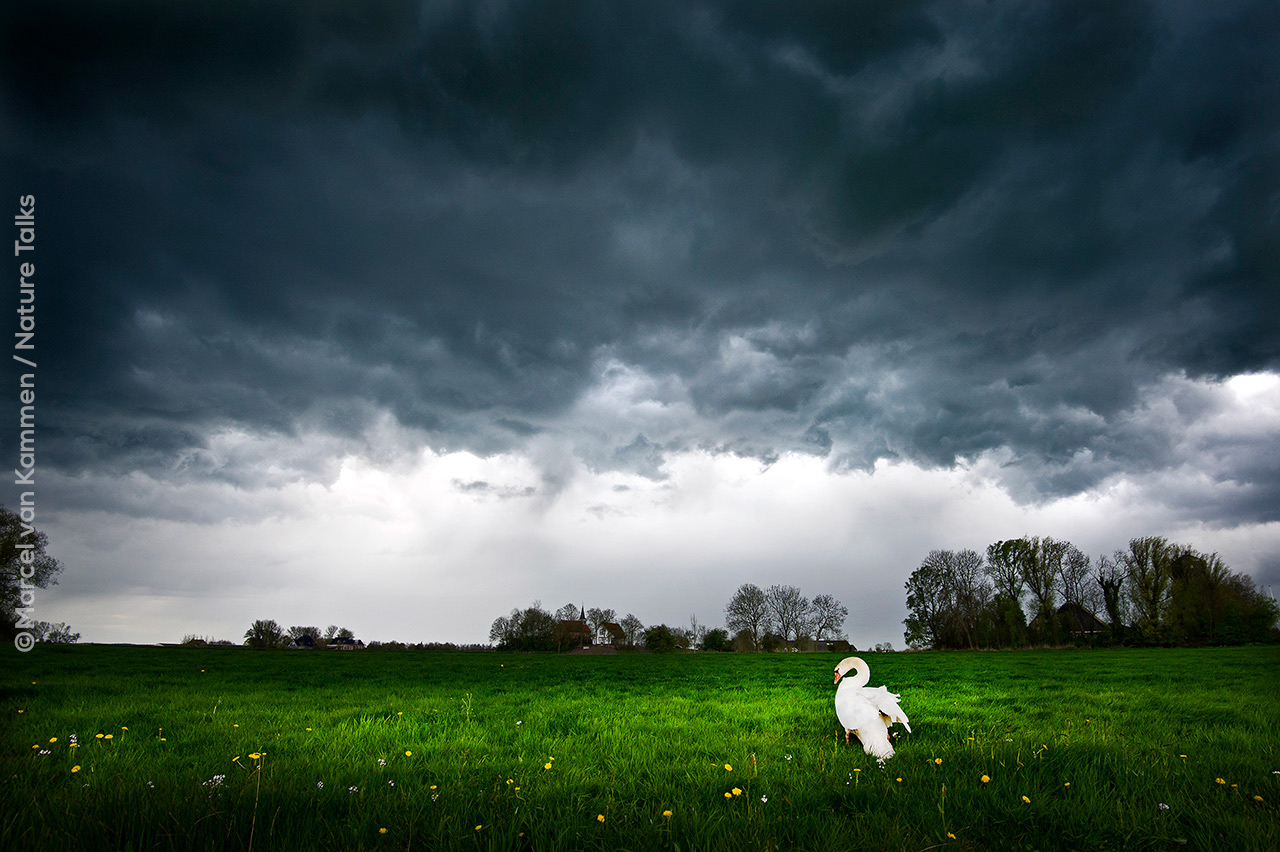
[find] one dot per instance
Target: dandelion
(75, 769)
(382, 831)
(666, 813)
(1257, 798)
(235, 726)
(99, 736)
(433, 786)
(478, 827)
(53, 739)
(728, 768)
(986, 778)
(1026, 800)
(899, 780)
(737, 791)
(856, 769)
(255, 756)
(1219, 780)
(950, 836)
(599, 817)
(234, 759)
(108, 736)
(1183, 756)
(938, 760)
(728, 795)
(1066, 784)
(124, 727)
(308, 729)
(408, 754)
(546, 766)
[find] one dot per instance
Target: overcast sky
(399, 316)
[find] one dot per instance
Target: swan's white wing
(887, 703)
(858, 713)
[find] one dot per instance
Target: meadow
(139, 748)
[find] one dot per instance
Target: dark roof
(574, 626)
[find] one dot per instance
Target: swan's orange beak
(837, 680)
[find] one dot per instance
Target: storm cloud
(1034, 240)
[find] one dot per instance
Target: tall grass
(1117, 749)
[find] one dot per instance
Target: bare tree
(787, 608)
(1040, 572)
(568, 612)
(632, 628)
(1074, 577)
(697, 632)
(748, 613)
(826, 617)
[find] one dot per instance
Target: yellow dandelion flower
(728, 795)
(938, 760)
(1219, 780)
(986, 778)
(124, 727)
(1183, 756)
(108, 736)
(1066, 784)
(517, 789)
(308, 729)
(1025, 799)
(53, 739)
(164, 739)
(255, 755)
(401, 713)
(99, 736)
(234, 759)
(737, 791)
(478, 827)
(508, 781)
(22, 711)
(856, 769)
(546, 766)
(76, 768)
(408, 754)
(37, 745)
(382, 831)
(728, 768)
(433, 786)
(666, 813)
(599, 817)
(1257, 798)
(899, 780)
(950, 836)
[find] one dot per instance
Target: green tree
(24, 567)
(716, 639)
(264, 633)
(1147, 566)
(660, 639)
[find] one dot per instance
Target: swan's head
(848, 664)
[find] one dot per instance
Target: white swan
(867, 712)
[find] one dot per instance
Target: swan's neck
(861, 674)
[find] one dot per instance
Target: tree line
(1155, 592)
(755, 620)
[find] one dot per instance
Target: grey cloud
(888, 230)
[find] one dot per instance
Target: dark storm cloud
(864, 230)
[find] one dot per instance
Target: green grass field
(234, 749)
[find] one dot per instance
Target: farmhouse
(1076, 621)
(346, 645)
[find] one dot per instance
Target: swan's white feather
(868, 712)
